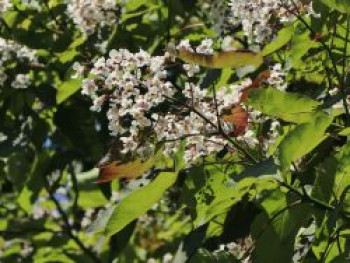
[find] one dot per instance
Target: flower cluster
(206, 46)
(258, 17)
(217, 12)
(135, 85)
(9, 51)
(89, 14)
(277, 77)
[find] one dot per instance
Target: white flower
(185, 44)
(97, 103)
(277, 77)
(22, 81)
(256, 16)
(79, 70)
(205, 47)
(191, 69)
(89, 87)
(89, 14)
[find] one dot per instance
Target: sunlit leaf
(342, 6)
(227, 59)
(67, 89)
(138, 202)
(303, 139)
(287, 106)
(283, 37)
(125, 170)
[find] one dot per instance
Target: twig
(222, 133)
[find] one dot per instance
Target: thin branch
(330, 55)
(222, 133)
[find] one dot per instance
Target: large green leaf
(90, 195)
(276, 228)
(136, 204)
(67, 89)
(283, 37)
(301, 43)
(342, 6)
(303, 139)
(287, 106)
(343, 170)
(325, 180)
(35, 182)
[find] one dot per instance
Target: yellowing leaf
(226, 59)
(124, 170)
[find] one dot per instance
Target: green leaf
(325, 180)
(35, 182)
(343, 170)
(90, 195)
(276, 228)
(303, 139)
(283, 37)
(204, 256)
(286, 106)
(300, 45)
(137, 203)
(345, 132)
(190, 244)
(342, 6)
(67, 89)
(226, 198)
(135, 4)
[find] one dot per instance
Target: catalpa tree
(174, 131)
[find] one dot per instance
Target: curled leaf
(226, 59)
(256, 83)
(124, 170)
(239, 118)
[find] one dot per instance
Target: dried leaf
(239, 118)
(255, 84)
(227, 59)
(124, 170)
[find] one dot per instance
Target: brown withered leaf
(226, 59)
(256, 83)
(124, 170)
(239, 118)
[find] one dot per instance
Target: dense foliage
(174, 131)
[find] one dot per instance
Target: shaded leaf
(204, 256)
(35, 182)
(276, 228)
(190, 244)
